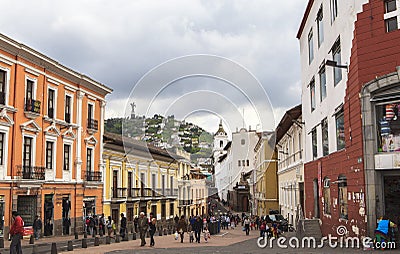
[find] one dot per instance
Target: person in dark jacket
(37, 227)
(182, 227)
(152, 226)
(122, 229)
(16, 232)
(197, 226)
(143, 226)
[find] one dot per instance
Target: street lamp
(334, 64)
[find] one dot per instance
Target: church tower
(220, 141)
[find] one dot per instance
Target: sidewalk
(52, 239)
(225, 238)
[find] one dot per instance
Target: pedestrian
(197, 229)
(16, 232)
(122, 229)
(206, 234)
(152, 231)
(135, 223)
(246, 223)
(176, 219)
(109, 225)
(37, 227)
(91, 225)
(182, 227)
(143, 226)
(191, 233)
(102, 224)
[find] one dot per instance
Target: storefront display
(389, 127)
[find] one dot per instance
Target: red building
(362, 181)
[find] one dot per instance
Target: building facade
(334, 177)
(139, 178)
(265, 189)
(289, 142)
(51, 128)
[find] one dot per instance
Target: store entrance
(392, 200)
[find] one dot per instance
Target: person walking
(197, 229)
(102, 224)
(37, 227)
(152, 230)
(182, 227)
(16, 232)
(247, 225)
(143, 226)
(122, 229)
(109, 225)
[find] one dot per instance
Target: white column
(78, 160)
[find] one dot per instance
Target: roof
(305, 17)
(117, 142)
(287, 121)
(220, 129)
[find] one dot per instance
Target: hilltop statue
(133, 105)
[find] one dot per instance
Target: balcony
(92, 125)
(185, 202)
(31, 172)
(119, 192)
(32, 108)
(93, 176)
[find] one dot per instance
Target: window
(340, 138)
(67, 156)
(3, 78)
(67, 116)
(320, 27)
(300, 148)
(129, 214)
(337, 72)
(390, 5)
(342, 185)
(248, 162)
(153, 182)
(327, 196)
(171, 209)
(334, 10)
(89, 157)
(50, 104)
(171, 183)
(2, 143)
(90, 111)
(221, 143)
(325, 142)
(163, 184)
(163, 210)
(388, 126)
(391, 24)
(243, 141)
(49, 154)
(322, 82)
(243, 163)
(239, 163)
(314, 143)
(312, 95)
(29, 90)
(310, 47)
(27, 158)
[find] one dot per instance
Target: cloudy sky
(119, 43)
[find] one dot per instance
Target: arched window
(221, 143)
(342, 186)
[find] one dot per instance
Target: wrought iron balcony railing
(93, 124)
(32, 105)
(31, 172)
(119, 192)
(93, 176)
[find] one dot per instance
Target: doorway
(316, 201)
(26, 207)
(392, 194)
(48, 214)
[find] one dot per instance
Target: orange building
(51, 129)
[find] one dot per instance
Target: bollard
(134, 236)
(117, 239)
(85, 235)
(76, 235)
(53, 248)
(70, 247)
(84, 243)
(108, 240)
(31, 240)
(96, 241)
(160, 232)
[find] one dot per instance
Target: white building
(289, 142)
(325, 33)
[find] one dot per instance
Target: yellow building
(266, 188)
(139, 177)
